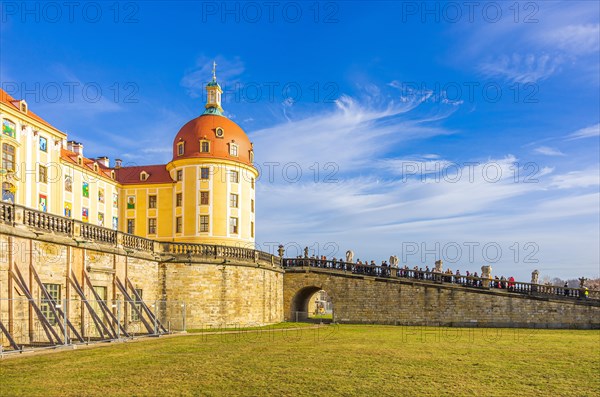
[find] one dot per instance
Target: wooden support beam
(133, 305)
(103, 329)
(8, 336)
(151, 315)
(58, 313)
(48, 329)
(102, 304)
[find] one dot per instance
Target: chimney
(104, 161)
(118, 163)
(76, 147)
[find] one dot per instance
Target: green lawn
(343, 360)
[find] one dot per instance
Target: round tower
(212, 165)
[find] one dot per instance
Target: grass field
(345, 360)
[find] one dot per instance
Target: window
(42, 174)
(252, 205)
(131, 226)
(178, 224)
(233, 149)
(54, 293)
(101, 219)
(233, 225)
(204, 146)
(252, 183)
(43, 144)
(68, 210)
(219, 132)
(85, 215)
(234, 177)
(68, 183)
(151, 225)
(179, 175)
(130, 202)
(203, 198)
(9, 128)
(178, 199)
(8, 157)
(204, 173)
(135, 314)
(85, 189)
(100, 195)
(152, 201)
(8, 192)
(180, 148)
(115, 200)
(43, 203)
(204, 223)
(233, 200)
(252, 156)
(115, 223)
(143, 176)
(95, 167)
(252, 229)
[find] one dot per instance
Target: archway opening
(312, 304)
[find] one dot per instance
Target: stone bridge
(382, 295)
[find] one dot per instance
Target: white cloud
(520, 68)
(588, 132)
(228, 72)
(548, 151)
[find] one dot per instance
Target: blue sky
(438, 131)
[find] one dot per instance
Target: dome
(225, 138)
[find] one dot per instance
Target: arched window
(180, 148)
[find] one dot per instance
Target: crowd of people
(448, 276)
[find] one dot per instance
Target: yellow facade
(195, 198)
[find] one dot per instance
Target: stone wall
(217, 295)
(360, 299)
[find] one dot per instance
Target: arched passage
(300, 310)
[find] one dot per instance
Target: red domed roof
(220, 132)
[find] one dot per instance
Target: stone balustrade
(211, 251)
(436, 277)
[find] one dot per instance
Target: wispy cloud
(593, 131)
(196, 77)
(548, 151)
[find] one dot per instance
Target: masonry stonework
(370, 300)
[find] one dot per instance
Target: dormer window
(112, 174)
(23, 106)
(95, 167)
(219, 132)
(180, 148)
(252, 156)
(204, 146)
(233, 149)
(79, 160)
(144, 176)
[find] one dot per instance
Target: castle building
(205, 194)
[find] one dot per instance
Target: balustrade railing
(98, 233)
(136, 242)
(7, 212)
(219, 251)
(46, 221)
(435, 277)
